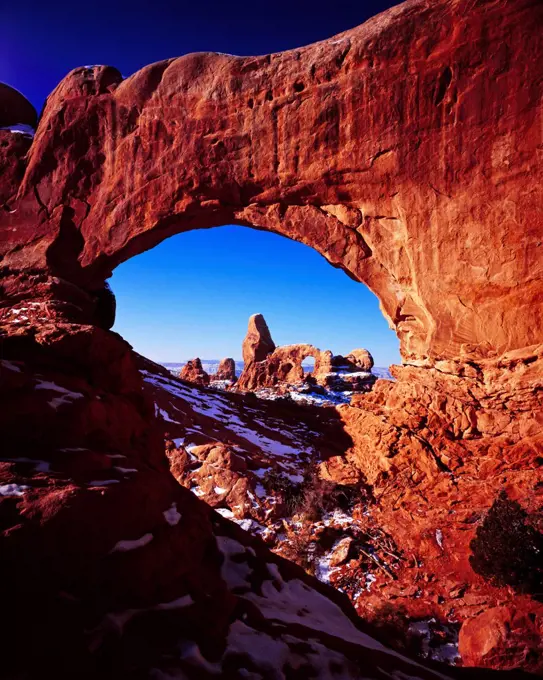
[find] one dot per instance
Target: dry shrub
(298, 548)
(508, 549)
(314, 496)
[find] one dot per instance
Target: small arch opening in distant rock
(191, 296)
(308, 364)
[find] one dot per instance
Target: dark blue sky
(193, 293)
(41, 41)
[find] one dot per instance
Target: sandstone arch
(390, 149)
(406, 152)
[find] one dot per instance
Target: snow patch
(66, 395)
(172, 516)
(165, 415)
(20, 129)
(180, 603)
(234, 573)
(103, 482)
(12, 489)
(125, 546)
(10, 366)
(40, 465)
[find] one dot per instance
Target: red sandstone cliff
(407, 152)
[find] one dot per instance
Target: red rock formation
(393, 104)
(193, 372)
(360, 359)
(226, 371)
(15, 108)
(407, 152)
(258, 342)
(423, 572)
(505, 637)
(283, 366)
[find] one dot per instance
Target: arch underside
(387, 150)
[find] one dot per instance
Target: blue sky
(193, 294)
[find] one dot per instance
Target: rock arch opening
(308, 364)
(191, 297)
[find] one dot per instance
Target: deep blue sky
(193, 294)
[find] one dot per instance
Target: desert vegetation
(508, 547)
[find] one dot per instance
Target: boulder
(193, 372)
(15, 109)
(361, 359)
(504, 637)
(226, 371)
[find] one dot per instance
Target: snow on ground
(40, 465)
(10, 365)
(240, 421)
(292, 602)
(67, 397)
(179, 603)
(301, 394)
(20, 129)
(126, 545)
(103, 482)
(12, 489)
(172, 516)
(447, 650)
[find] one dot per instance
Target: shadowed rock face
(404, 151)
(15, 109)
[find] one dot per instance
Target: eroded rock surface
(258, 342)
(407, 152)
(356, 146)
(193, 372)
(279, 368)
(399, 546)
(226, 371)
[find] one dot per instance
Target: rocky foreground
(407, 151)
(289, 473)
